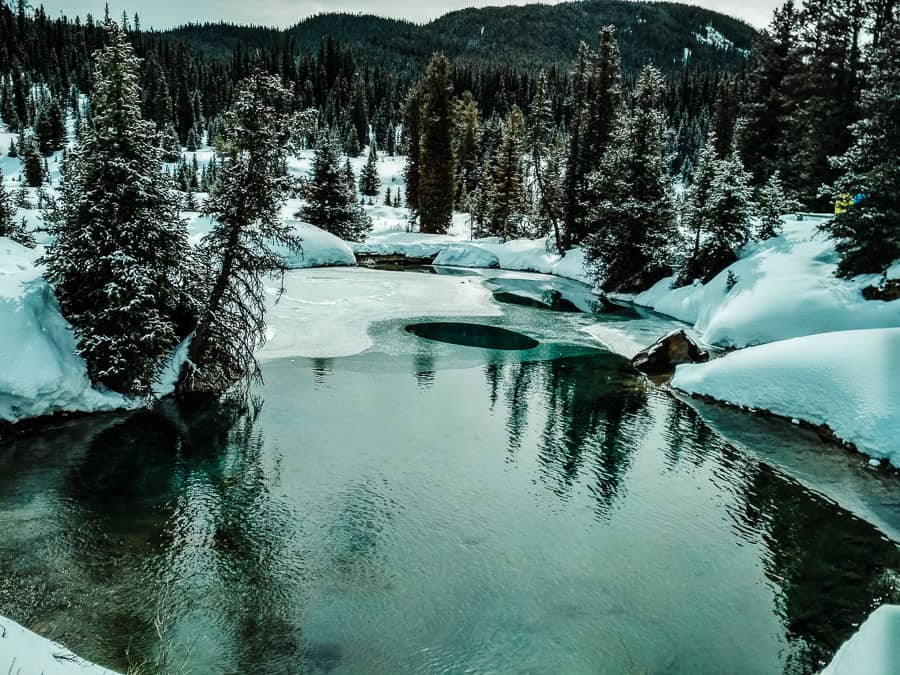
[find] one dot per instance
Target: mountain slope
(528, 37)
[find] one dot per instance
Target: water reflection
(487, 518)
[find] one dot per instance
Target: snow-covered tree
(9, 226)
(33, 164)
(772, 202)
(245, 203)
(116, 263)
(369, 182)
(717, 213)
(331, 196)
(633, 224)
(868, 234)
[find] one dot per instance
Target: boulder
(665, 354)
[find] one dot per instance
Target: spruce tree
(772, 202)
(245, 203)
(594, 99)
(546, 164)
(697, 207)
(868, 234)
(633, 225)
(331, 197)
(412, 131)
(369, 182)
(507, 190)
(7, 211)
(31, 159)
(119, 248)
(435, 209)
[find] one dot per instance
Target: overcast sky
(167, 13)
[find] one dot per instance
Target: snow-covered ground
(874, 649)
(847, 380)
(25, 653)
(785, 287)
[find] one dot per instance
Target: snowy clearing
(785, 288)
(874, 649)
(847, 380)
(25, 653)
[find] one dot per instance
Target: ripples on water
(414, 513)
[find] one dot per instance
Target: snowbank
(848, 380)
(327, 313)
(874, 649)
(26, 653)
(320, 248)
(466, 255)
(521, 255)
(785, 287)
(41, 374)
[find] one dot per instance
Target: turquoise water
(431, 508)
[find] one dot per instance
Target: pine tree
(31, 158)
(696, 209)
(246, 204)
(594, 98)
(117, 259)
(507, 189)
(633, 224)
(772, 203)
(868, 234)
(412, 131)
(7, 212)
(331, 197)
(546, 164)
(435, 209)
(359, 115)
(730, 211)
(465, 144)
(387, 197)
(369, 182)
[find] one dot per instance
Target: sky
(283, 13)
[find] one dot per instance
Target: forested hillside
(530, 37)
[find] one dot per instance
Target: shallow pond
(426, 507)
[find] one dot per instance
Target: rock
(607, 306)
(662, 356)
(887, 291)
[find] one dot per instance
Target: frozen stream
(390, 503)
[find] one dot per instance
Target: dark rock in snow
(662, 356)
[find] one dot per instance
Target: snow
(848, 380)
(874, 649)
(523, 255)
(466, 255)
(320, 248)
(785, 288)
(25, 653)
(41, 373)
(327, 312)
(712, 37)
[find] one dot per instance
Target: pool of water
(426, 507)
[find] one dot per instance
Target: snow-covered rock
(785, 287)
(847, 380)
(874, 649)
(25, 653)
(41, 374)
